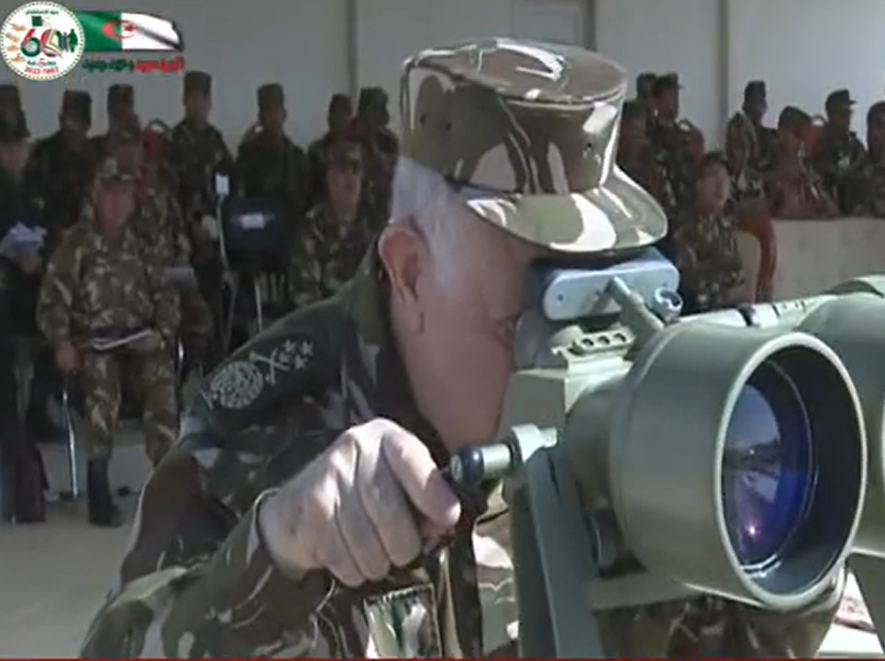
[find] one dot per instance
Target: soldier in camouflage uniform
(119, 104)
(645, 95)
(335, 235)
(705, 245)
(303, 512)
(636, 154)
(338, 119)
(760, 140)
(197, 153)
(102, 283)
(61, 165)
(874, 172)
(793, 188)
(269, 164)
(11, 103)
(380, 150)
(161, 228)
(673, 155)
(839, 156)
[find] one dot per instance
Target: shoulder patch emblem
(241, 382)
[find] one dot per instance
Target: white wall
(665, 36)
(388, 31)
(804, 49)
(310, 46)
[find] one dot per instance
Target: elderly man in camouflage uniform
(101, 283)
(335, 235)
(380, 147)
(304, 513)
(119, 105)
(839, 155)
(338, 119)
(62, 164)
(268, 163)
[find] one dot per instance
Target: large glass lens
(768, 470)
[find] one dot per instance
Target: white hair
(422, 196)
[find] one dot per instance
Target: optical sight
(647, 457)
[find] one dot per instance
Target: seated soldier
(874, 172)
(839, 156)
(336, 233)
(160, 226)
(101, 283)
(793, 188)
(749, 206)
(636, 155)
(705, 244)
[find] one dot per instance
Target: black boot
(103, 511)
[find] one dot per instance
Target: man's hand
(148, 344)
(370, 502)
(66, 357)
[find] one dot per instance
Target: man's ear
(403, 252)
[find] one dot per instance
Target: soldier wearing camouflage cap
(381, 149)
(339, 116)
(839, 156)
(119, 105)
(197, 152)
(313, 518)
(746, 127)
(62, 164)
(269, 163)
(22, 476)
(336, 231)
(125, 294)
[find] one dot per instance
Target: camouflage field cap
(527, 133)
(271, 96)
(112, 170)
(197, 81)
(121, 98)
(13, 129)
(77, 104)
(10, 96)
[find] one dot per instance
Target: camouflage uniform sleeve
(182, 247)
(230, 601)
(305, 278)
(56, 298)
(167, 308)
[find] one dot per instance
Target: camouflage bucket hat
(526, 133)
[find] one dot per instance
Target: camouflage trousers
(150, 377)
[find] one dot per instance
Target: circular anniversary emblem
(42, 41)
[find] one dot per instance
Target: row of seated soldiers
(267, 165)
(800, 169)
(115, 218)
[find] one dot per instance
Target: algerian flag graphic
(111, 32)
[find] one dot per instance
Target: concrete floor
(53, 576)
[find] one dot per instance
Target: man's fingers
(394, 521)
(334, 555)
(362, 540)
(419, 477)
